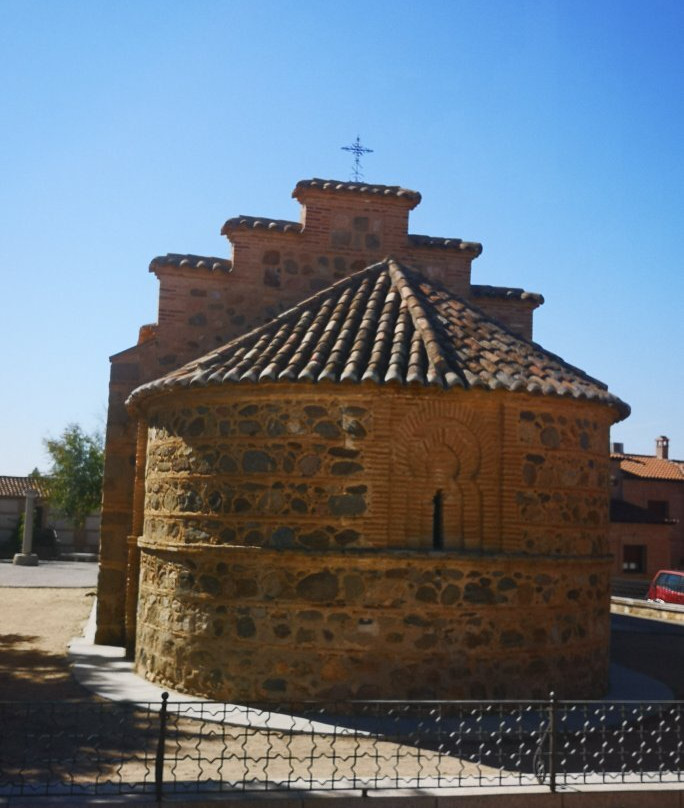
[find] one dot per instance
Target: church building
(336, 468)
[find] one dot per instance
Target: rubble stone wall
(246, 625)
(293, 546)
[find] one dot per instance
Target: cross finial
(358, 151)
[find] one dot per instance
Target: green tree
(75, 476)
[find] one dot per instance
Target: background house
(647, 512)
(13, 504)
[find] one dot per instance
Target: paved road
(651, 647)
(52, 574)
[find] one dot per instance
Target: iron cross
(358, 151)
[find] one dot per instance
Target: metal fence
(197, 747)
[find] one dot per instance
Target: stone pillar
(26, 558)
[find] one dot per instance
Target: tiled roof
(260, 223)
(473, 247)
(191, 262)
(388, 323)
(650, 468)
(506, 292)
(18, 486)
(335, 186)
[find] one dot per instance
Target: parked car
(667, 587)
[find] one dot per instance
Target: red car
(667, 587)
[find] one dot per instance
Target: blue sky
(549, 131)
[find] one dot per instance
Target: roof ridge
(650, 456)
(423, 322)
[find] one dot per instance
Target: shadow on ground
(30, 674)
(651, 647)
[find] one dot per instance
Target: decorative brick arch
(438, 456)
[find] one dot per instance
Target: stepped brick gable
(336, 468)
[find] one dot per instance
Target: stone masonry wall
(555, 486)
(259, 470)
(244, 626)
(289, 543)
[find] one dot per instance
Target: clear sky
(549, 130)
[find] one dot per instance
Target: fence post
(159, 761)
(552, 741)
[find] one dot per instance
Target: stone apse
(382, 488)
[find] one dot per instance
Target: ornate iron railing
(184, 747)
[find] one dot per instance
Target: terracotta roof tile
(260, 223)
(18, 486)
(387, 324)
(473, 247)
(191, 262)
(650, 467)
(336, 186)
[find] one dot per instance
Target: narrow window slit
(438, 521)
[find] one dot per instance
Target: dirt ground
(107, 743)
(36, 625)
